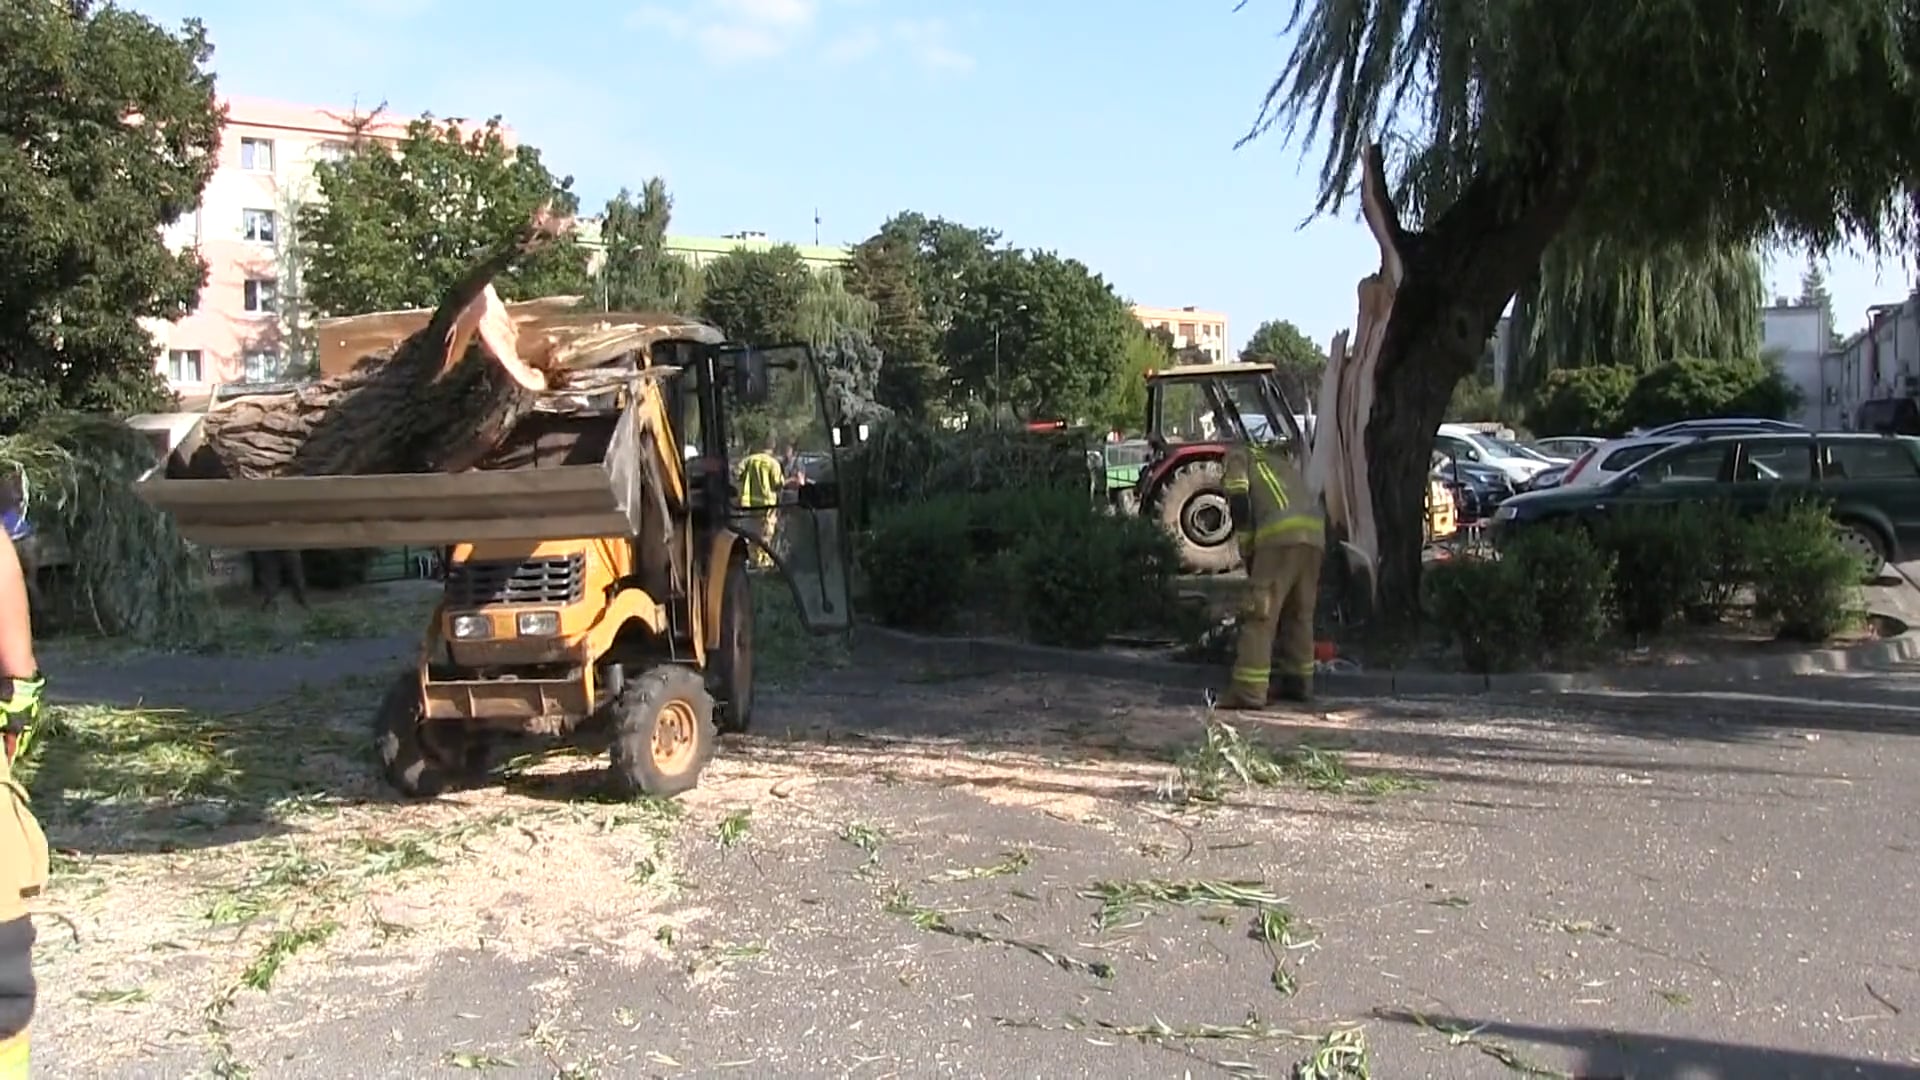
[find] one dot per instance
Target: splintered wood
(1338, 465)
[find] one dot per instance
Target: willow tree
(1513, 125)
(1601, 302)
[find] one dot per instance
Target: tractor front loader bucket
(600, 496)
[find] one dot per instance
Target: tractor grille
(536, 581)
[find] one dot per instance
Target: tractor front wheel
(731, 664)
(1192, 506)
(664, 733)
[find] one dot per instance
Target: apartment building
(701, 250)
(237, 332)
(1191, 328)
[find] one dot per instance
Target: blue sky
(1107, 137)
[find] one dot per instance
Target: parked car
(1565, 447)
(1477, 489)
(1872, 482)
(1549, 477)
(1610, 459)
(1722, 425)
(1889, 416)
(1465, 444)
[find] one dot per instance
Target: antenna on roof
(816, 226)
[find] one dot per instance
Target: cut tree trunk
(1424, 323)
(439, 401)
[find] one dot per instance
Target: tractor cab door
(783, 439)
(1259, 409)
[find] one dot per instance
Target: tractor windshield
(785, 484)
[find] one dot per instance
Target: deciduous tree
(108, 130)
(918, 270)
(1609, 303)
(1516, 124)
(757, 296)
(396, 226)
(638, 274)
(1298, 362)
(1039, 335)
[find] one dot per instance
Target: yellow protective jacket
(23, 873)
(760, 481)
(1277, 494)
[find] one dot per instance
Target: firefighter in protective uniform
(23, 847)
(1282, 540)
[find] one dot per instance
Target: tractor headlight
(538, 623)
(472, 627)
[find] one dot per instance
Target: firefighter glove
(20, 711)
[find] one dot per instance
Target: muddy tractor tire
(1192, 505)
(421, 759)
(664, 733)
(731, 665)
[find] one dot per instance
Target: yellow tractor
(596, 575)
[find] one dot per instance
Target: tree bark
(439, 401)
(1460, 274)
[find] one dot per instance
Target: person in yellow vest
(760, 483)
(23, 847)
(1282, 540)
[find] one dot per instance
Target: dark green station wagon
(1872, 483)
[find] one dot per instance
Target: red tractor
(1194, 412)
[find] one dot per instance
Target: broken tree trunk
(439, 401)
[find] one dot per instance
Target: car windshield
(1509, 448)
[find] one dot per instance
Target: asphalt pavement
(913, 872)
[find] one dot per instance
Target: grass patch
(733, 828)
(784, 650)
(1013, 862)
(1225, 759)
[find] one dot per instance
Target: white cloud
(728, 31)
(926, 41)
(736, 31)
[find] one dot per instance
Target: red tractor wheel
(1192, 505)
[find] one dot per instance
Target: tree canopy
(1646, 123)
(917, 271)
(1298, 362)
(1597, 302)
(396, 226)
(1814, 292)
(638, 274)
(1037, 334)
(85, 189)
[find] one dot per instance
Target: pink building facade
(238, 332)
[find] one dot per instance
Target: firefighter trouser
(766, 526)
(1283, 587)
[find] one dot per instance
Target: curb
(990, 655)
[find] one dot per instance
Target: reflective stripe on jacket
(1276, 492)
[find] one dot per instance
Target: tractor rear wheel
(1192, 505)
(663, 732)
(731, 665)
(420, 757)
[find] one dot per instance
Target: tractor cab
(1194, 413)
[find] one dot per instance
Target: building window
(257, 225)
(330, 150)
(261, 366)
(1186, 330)
(256, 155)
(261, 296)
(183, 365)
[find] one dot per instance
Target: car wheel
(1863, 542)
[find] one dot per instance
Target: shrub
(1084, 577)
(1485, 606)
(1000, 521)
(1584, 399)
(1569, 580)
(1689, 388)
(1661, 558)
(1729, 561)
(1805, 578)
(916, 560)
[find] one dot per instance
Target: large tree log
(440, 401)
